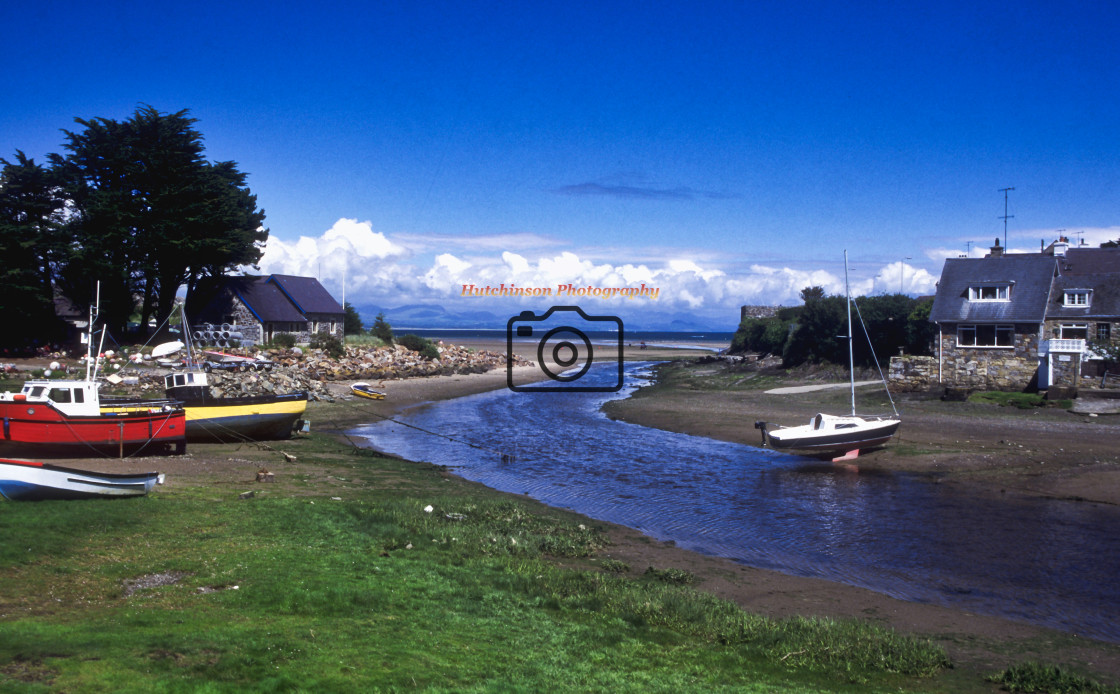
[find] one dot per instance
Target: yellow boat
(254, 417)
(365, 390)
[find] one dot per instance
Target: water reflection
(1043, 561)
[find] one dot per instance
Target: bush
(283, 340)
(423, 345)
(329, 344)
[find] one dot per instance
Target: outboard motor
(761, 426)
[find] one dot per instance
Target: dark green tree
(353, 324)
(762, 335)
(381, 329)
(812, 294)
(151, 213)
(819, 335)
(33, 244)
(920, 333)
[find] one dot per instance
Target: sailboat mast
(851, 356)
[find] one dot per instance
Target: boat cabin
(73, 398)
(188, 385)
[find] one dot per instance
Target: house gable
(965, 292)
(266, 305)
(1010, 321)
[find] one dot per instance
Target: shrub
(329, 344)
(283, 340)
(423, 345)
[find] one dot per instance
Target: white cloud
(347, 243)
(382, 270)
(900, 276)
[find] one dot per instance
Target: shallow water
(1049, 562)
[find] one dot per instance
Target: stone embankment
(302, 369)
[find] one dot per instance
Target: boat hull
(258, 418)
(804, 438)
(32, 481)
(39, 426)
(364, 390)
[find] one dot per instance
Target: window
(60, 395)
(1073, 331)
(995, 292)
(1077, 297)
(986, 336)
(1104, 332)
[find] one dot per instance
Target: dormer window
(990, 292)
(1076, 297)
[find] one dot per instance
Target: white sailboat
(827, 433)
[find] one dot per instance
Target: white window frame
(1080, 327)
(997, 330)
(1077, 297)
(1000, 292)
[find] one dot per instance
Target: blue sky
(726, 152)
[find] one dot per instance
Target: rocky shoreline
(300, 369)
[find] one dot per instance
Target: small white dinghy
(25, 480)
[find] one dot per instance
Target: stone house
(1025, 321)
(258, 308)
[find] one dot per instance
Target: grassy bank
(338, 577)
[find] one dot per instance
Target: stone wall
(987, 368)
(746, 312)
(908, 373)
(246, 323)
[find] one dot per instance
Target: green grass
(338, 578)
(1047, 679)
(364, 340)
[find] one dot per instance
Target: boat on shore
(240, 418)
(70, 416)
(212, 418)
(832, 434)
(25, 480)
(365, 390)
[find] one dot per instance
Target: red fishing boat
(71, 416)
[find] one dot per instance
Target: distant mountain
(428, 316)
(435, 317)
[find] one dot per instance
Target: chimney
(996, 250)
(1058, 248)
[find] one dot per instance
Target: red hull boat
(70, 415)
(32, 419)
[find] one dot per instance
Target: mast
(851, 356)
(94, 314)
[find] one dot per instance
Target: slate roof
(308, 295)
(1093, 269)
(212, 300)
(1030, 277)
(1090, 261)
